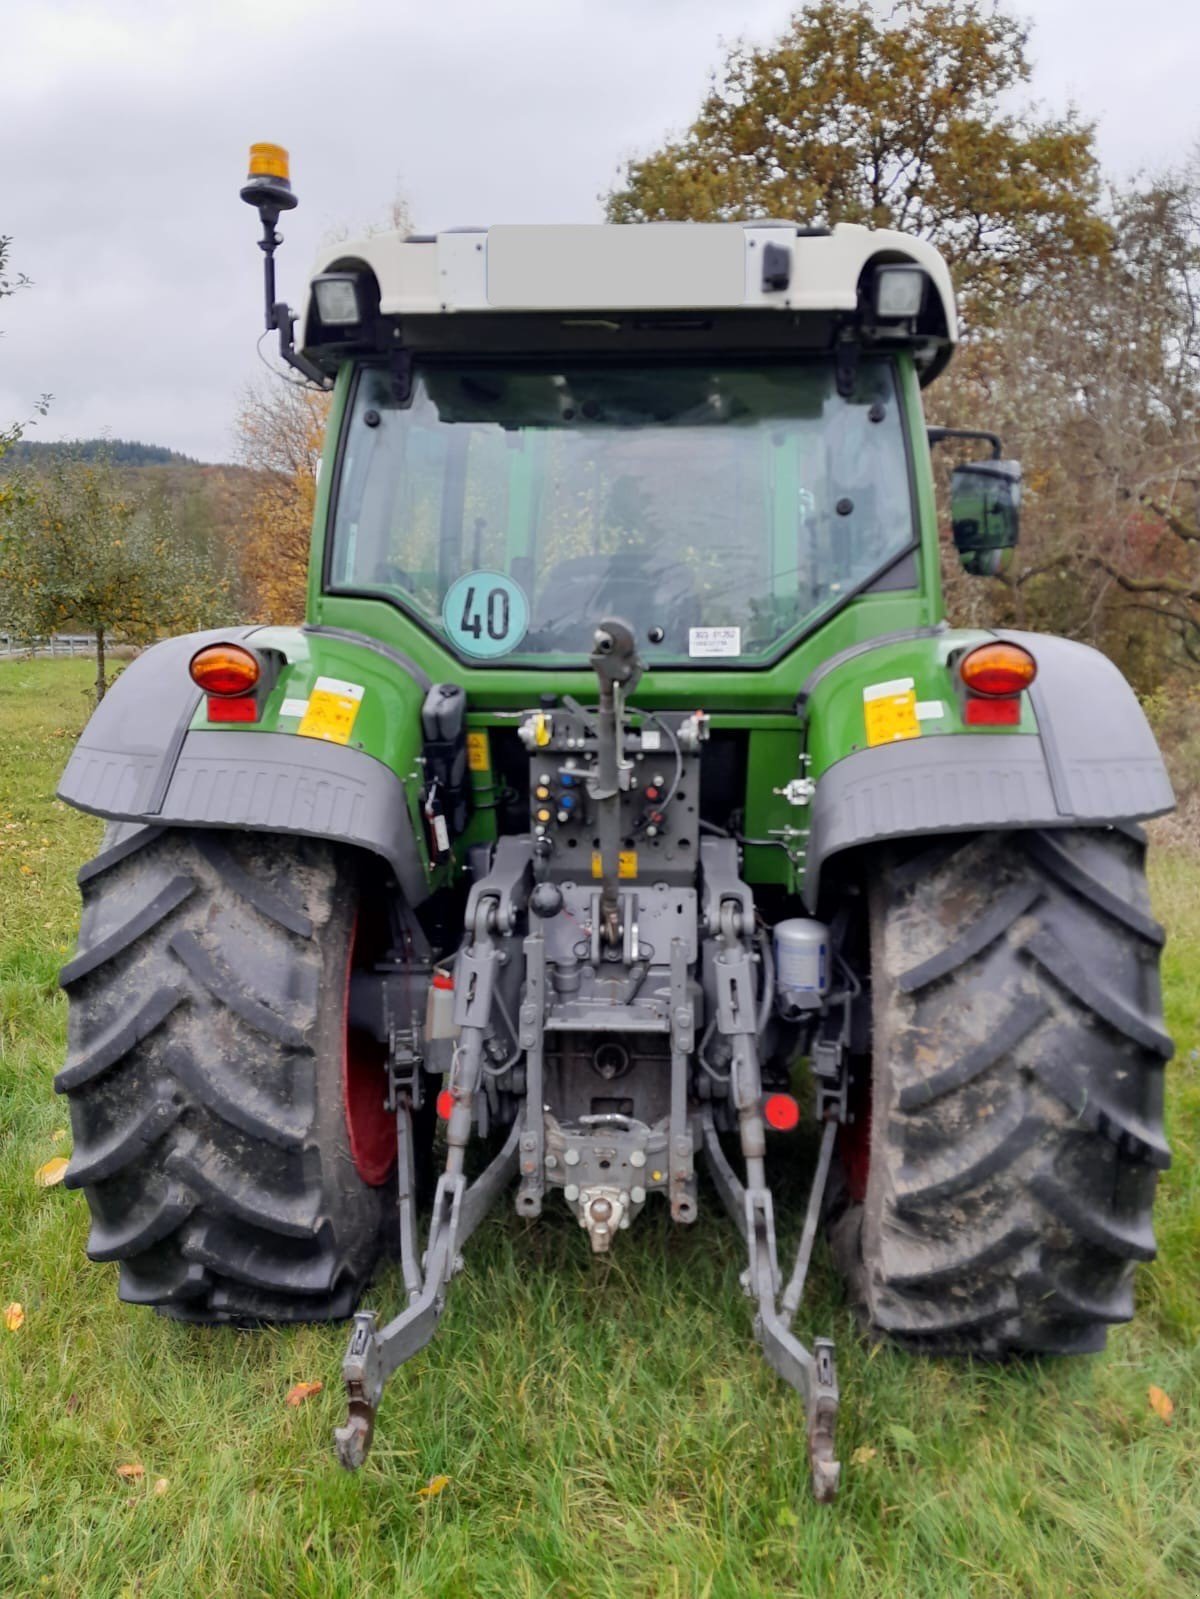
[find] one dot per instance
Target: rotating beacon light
(268, 188)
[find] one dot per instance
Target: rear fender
(150, 755)
(1082, 753)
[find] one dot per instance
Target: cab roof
(752, 283)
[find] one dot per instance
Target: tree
(78, 550)
(1096, 388)
(281, 428)
(10, 283)
(1139, 433)
(892, 123)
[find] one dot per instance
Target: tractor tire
(207, 1047)
(1005, 1186)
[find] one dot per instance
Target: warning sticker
(626, 863)
(332, 708)
(708, 641)
(293, 708)
(478, 758)
(890, 711)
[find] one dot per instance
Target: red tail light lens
(225, 670)
(997, 669)
(781, 1112)
(992, 713)
(221, 708)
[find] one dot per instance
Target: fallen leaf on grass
(133, 1472)
(302, 1391)
(1161, 1404)
(862, 1454)
(433, 1487)
(14, 1316)
(161, 1485)
(52, 1172)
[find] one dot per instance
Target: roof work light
(899, 292)
(337, 299)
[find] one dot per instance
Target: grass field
(607, 1429)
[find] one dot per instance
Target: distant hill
(122, 452)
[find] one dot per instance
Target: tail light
(997, 670)
(229, 675)
(225, 670)
(994, 676)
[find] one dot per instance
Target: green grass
(608, 1429)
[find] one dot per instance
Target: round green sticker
(485, 614)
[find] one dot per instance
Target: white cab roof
(657, 266)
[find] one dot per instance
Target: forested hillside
(123, 452)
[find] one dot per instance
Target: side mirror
(985, 515)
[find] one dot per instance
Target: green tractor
(624, 762)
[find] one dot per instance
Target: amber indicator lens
(997, 669)
(224, 669)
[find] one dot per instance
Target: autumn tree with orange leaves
(280, 430)
(900, 120)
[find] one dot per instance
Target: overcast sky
(124, 126)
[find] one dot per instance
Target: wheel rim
(854, 1137)
(370, 1126)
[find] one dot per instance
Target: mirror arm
(936, 435)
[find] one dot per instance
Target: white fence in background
(54, 644)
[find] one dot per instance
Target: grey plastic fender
(1094, 760)
(136, 761)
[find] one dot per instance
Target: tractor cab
(704, 430)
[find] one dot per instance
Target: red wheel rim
(370, 1126)
(854, 1138)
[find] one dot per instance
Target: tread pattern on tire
(1017, 1094)
(204, 1076)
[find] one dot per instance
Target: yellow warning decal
(478, 757)
(890, 711)
(626, 863)
(332, 708)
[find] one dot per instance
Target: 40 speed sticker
(485, 614)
